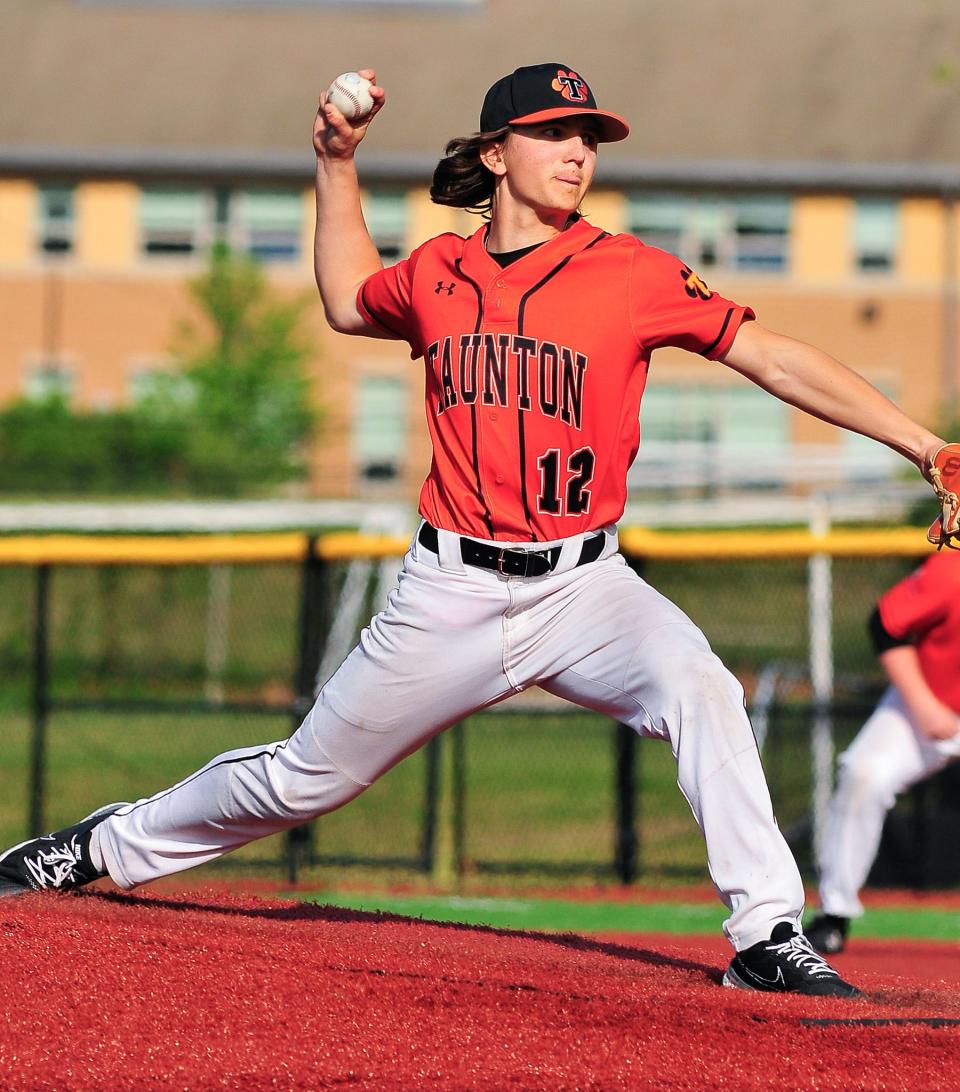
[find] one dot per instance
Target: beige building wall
(18, 213)
(923, 227)
(105, 313)
(106, 232)
(821, 235)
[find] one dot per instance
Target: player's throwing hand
(335, 136)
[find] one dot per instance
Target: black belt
(511, 562)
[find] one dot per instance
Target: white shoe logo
(778, 981)
(55, 866)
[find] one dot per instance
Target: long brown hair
(461, 179)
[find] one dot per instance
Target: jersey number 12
(574, 500)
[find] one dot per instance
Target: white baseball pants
(887, 756)
(454, 639)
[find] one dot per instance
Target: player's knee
(687, 667)
(866, 777)
(288, 785)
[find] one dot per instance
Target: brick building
(804, 159)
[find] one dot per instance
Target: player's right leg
(430, 658)
(887, 756)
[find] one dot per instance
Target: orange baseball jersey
(534, 373)
(926, 608)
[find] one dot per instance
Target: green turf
(566, 915)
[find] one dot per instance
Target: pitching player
(913, 733)
(535, 335)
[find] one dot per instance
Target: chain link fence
(127, 668)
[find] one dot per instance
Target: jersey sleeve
(916, 604)
(671, 305)
(384, 300)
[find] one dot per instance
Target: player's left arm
(931, 715)
(812, 380)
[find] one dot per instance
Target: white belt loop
(612, 545)
(569, 553)
(448, 551)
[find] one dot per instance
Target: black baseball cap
(542, 92)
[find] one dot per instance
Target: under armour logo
(448, 288)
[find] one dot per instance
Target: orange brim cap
(612, 126)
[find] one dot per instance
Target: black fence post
(627, 844)
(459, 742)
(312, 630)
(41, 702)
(627, 848)
(431, 784)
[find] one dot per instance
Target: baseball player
(535, 334)
(913, 733)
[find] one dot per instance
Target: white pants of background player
(454, 639)
(887, 756)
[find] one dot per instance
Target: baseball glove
(944, 471)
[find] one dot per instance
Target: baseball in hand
(350, 93)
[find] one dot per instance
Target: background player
(536, 334)
(913, 733)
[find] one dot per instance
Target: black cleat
(828, 933)
(786, 963)
(53, 862)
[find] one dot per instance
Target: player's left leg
(625, 650)
(612, 643)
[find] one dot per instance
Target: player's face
(549, 166)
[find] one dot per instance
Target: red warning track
(213, 991)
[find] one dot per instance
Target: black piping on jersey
(723, 329)
(253, 752)
(521, 437)
(379, 321)
(487, 518)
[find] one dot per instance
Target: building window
(701, 436)
(268, 224)
(876, 234)
(380, 427)
(175, 222)
(761, 226)
(385, 212)
(749, 233)
(48, 380)
(658, 219)
(741, 417)
(55, 227)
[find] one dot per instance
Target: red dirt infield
(208, 990)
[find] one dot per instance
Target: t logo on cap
(571, 86)
(544, 92)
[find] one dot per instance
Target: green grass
(565, 915)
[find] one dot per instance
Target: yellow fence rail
(199, 549)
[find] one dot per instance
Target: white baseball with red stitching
(350, 93)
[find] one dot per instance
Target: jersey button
(500, 284)
(499, 479)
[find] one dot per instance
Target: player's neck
(525, 228)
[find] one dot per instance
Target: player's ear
(491, 156)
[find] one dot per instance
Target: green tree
(232, 418)
(240, 393)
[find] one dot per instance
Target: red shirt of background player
(926, 608)
(535, 372)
